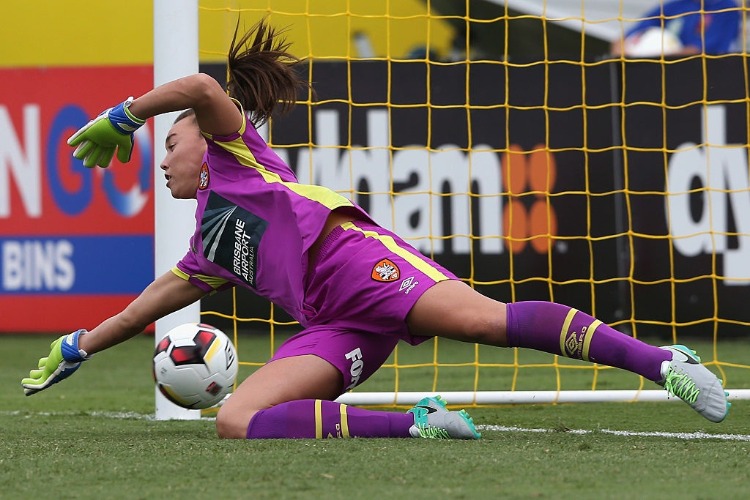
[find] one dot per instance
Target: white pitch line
(498, 428)
(104, 414)
(671, 435)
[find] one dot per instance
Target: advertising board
(76, 244)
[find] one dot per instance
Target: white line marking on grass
(131, 415)
(671, 435)
(104, 414)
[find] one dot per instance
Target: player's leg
(452, 309)
(419, 294)
(292, 395)
(277, 382)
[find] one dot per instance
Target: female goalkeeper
(355, 288)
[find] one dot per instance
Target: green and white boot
(432, 420)
(685, 377)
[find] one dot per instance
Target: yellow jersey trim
(211, 281)
(388, 242)
(237, 148)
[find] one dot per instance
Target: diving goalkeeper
(356, 288)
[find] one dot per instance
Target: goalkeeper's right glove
(112, 130)
(64, 358)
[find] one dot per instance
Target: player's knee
(485, 329)
(482, 320)
(231, 424)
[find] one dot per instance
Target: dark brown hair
(184, 114)
(262, 74)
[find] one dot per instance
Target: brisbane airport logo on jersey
(231, 236)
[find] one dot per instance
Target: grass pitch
(94, 436)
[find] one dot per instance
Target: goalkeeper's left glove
(112, 130)
(64, 358)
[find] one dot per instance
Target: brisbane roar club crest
(385, 271)
(203, 182)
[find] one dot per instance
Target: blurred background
(77, 32)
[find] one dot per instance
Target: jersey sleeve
(247, 149)
(188, 269)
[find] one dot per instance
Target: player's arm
(216, 113)
(113, 130)
(166, 294)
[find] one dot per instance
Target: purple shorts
(360, 288)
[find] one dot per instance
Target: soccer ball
(195, 365)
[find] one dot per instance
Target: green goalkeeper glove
(64, 358)
(112, 130)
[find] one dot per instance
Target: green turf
(92, 437)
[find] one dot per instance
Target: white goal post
(521, 397)
(175, 56)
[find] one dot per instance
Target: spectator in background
(683, 27)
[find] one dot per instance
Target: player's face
(185, 147)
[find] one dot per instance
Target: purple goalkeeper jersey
(255, 223)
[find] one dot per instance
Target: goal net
(506, 140)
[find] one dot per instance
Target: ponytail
(262, 74)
